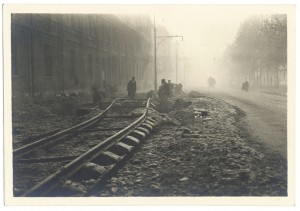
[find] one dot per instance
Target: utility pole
(176, 64)
(155, 51)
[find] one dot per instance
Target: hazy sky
(207, 30)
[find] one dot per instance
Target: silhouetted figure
(245, 86)
(163, 94)
(131, 88)
(211, 82)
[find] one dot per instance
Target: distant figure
(131, 88)
(245, 86)
(171, 88)
(163, 90)
(211, 82)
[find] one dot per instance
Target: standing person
(131, 88)
(163, 94)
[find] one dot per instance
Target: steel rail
(55, 137)
(48, 184)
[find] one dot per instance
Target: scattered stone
(184, 179)
(114, 189)
(153, 165)
(156, 187)
(113, 180)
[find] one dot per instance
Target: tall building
(57, 53)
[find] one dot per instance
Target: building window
(48, 60)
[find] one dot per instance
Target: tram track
(78, 159)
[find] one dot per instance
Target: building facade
(59, 53)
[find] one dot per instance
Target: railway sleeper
(147, 126)
(107, 158)
(151, 120)
(138, 134)
(150, 123)
(121, 148)
(89, 172)
(130, 140)
(142, 129)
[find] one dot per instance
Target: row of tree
(260, 44)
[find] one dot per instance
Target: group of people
(166, 91)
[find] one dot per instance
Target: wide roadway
(266, 114)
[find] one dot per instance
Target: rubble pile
(209, 156)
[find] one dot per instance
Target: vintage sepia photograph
(172, 102)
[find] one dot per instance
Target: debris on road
(207, 156)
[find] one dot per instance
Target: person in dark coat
(163, 94)
(131, 88)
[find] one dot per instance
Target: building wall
(55, 53)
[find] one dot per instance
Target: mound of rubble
(199, 151)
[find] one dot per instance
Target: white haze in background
(207, 31)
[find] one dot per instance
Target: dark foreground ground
(212, 154)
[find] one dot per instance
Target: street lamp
(155, 51)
